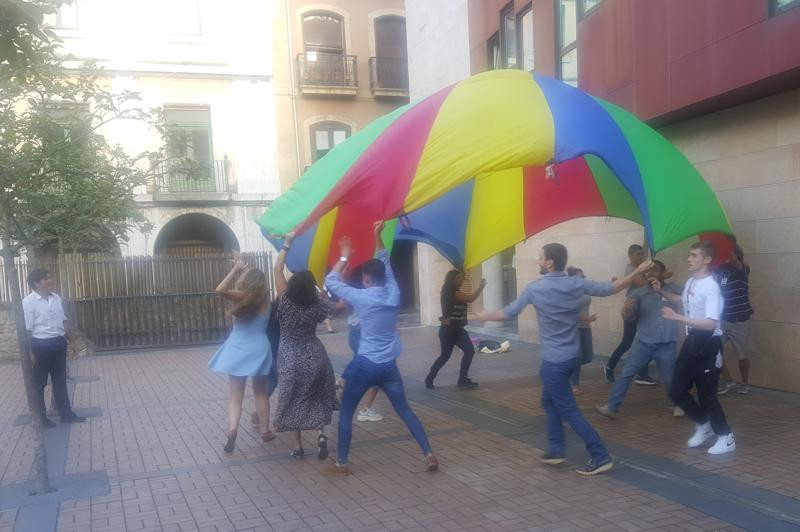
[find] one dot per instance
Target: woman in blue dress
(246, 352)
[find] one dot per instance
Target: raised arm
(334, 280)
(625, 282)
(462, 297)
(383, 256)
(670, 296)
(222, 289)
(280, 265)
(510, 310)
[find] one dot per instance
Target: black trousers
(51, 359)
(449, 337)
(700, 371)
(628, 334)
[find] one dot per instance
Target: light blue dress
(246, 352)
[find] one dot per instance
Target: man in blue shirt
(656, 338)
(557, 300)
(376, 306)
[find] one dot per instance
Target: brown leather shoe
(433, 463)
(336, 470)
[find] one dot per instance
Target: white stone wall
(190, 53)
(438, 55)
(172, 37)
(750, 155)
(240, 219)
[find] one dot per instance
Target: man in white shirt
(45, 323)
(700, 360)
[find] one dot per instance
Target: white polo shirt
(702, 299)
(44, 318)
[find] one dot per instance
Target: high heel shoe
(322, 444)
(231, 443)
(298, 453)
(267, 436)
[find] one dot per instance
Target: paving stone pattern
(163, 425)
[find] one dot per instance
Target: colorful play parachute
(486, 163)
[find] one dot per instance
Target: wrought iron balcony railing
(324, 69)
(388, 74)
(181, 176)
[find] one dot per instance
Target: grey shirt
(557, 299)
(586, 302)
(651, 327)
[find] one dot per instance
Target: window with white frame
(326, 135)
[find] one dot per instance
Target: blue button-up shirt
(651, 327)
(376, 308)
(557, 300)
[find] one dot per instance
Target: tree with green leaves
(62, 184)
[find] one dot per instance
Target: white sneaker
(678, 411)
(725, 444)
(701, 434)
(369, 414)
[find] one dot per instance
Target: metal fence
(388, 73)
(133, 302)
(172, 177)
(322, 69)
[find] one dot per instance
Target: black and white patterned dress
(305, 376)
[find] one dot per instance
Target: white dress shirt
(44, 317)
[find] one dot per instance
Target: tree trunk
(41, 478)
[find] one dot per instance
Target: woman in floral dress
(305, 376)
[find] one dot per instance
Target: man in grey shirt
(636, 255)
(557, 300)
(656, 338)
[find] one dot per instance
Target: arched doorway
(195, 234)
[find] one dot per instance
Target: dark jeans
(51, 359)
(353, 338)
(640, 355)
(587, 353)
(559, 405)
(363, 375)
(628, 334)
(451, 336)
(703, 373)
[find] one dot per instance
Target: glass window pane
(321, 140)
(323, 32)
(201, 144)
(493, 60)
(569, 67)
(783, 5)
(589, 4)
(509, 37)
(390, 37)
(568, 22)
(526, 26)
(338, 136)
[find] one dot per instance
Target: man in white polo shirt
(44, 321)
(700, 360)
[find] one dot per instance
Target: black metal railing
(324, 69)
(388, 73)
(184, 175)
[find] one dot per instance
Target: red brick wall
(657, 57)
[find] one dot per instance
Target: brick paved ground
(163, 422)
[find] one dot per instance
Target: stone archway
(195, 234)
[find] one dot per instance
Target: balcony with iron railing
(327, 73)
(388, 77)
(186, 179)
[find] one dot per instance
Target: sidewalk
(151, 457)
